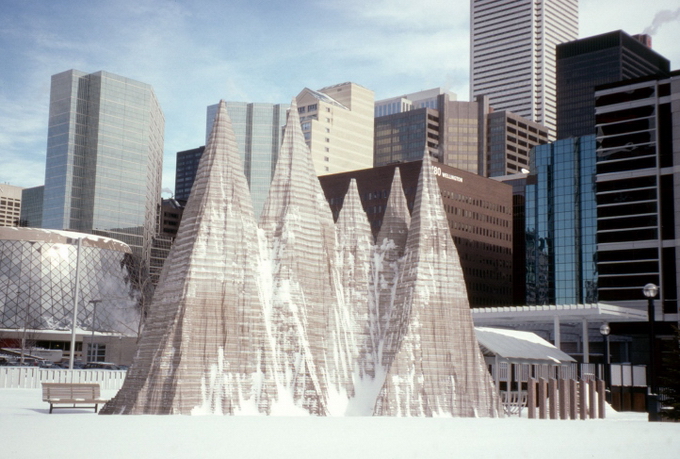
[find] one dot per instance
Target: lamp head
(604, 329)
(650, 290)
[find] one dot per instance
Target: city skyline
(194, 55)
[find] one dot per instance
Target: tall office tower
(561, 223)
(588, 62)
(466, 135)
(428, 98)
(258, 128)
(186, 165)
(31, 206)
(518, 182)
(447, 129)
(337, 122)
(10, 205)
(638, 190)
(512, 57)
(510, 139)
(404, 136)
(104, 158)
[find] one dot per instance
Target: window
(301, 109)
(311, 108)
(326, 158)
(306, 126)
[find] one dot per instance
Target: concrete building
(337, 122)
(479, 212)
(510, 139)
(32, 206)
(513, 54)
(104, 158)
(428, 98)
(466, 135)
(589, 62)
(10, 205)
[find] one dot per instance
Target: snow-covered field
(28, 431)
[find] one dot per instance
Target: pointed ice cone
(435, 366)
(304, 310)
(390, 245)
(204, 341)
(355, 251)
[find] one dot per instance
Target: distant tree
(670, 378)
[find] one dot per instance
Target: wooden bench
(72, 394)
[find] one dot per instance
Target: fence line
(33, 377)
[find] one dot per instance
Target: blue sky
(196, 53)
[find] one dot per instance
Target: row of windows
(481, 231)
(495, 207)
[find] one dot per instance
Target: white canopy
(515, 345)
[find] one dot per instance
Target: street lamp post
(604, 331)
(94, 315)
(650, 291)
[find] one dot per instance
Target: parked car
(101, 366)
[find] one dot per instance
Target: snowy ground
(28, 431)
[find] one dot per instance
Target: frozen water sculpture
(204, 347)
(304, 316)
(433, 361)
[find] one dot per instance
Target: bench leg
(95, 407)
(50, 408)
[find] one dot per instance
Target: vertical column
(601, 397)
(552, 397)
(583, 399)
(573, 399)
(556, 332)
(563, 398)
(584, 339)
(542, 398)
(592, 402)
(531, 398)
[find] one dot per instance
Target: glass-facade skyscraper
(104, 158)
(259, 129)
(561, 223)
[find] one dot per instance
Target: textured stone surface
(304, 316)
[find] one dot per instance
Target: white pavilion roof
(519, 345)
(592, 312)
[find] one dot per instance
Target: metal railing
(33, 377)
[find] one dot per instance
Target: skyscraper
(638, 229)
(588, 62)
(512, 56)
(104, 158)
(561, 223)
